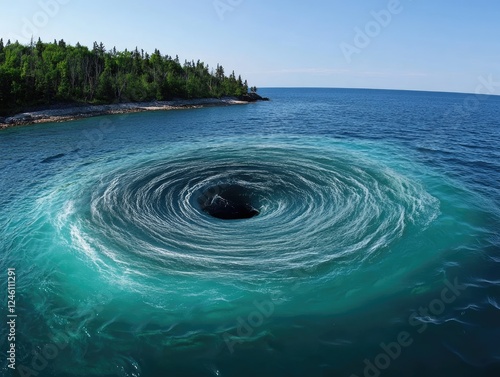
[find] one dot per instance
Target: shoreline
(87, 111)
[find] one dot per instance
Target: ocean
(327, 232)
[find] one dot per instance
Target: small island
(53, 82)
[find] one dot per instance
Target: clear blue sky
(426, 45)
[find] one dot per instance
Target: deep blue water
(375, 251)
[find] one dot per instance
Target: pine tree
(45, 73)
(2, 55)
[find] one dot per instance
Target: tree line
(41, 74)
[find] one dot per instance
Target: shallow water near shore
(375, 249)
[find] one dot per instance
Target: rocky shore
(64, 114)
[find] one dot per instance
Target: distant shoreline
(87, 111)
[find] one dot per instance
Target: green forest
(44, 74)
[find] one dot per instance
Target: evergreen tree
(46, 73)
(2, 54)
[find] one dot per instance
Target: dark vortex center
(228, 202)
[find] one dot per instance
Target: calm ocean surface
(376, 250)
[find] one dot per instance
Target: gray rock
(252, 97)
(23, 118)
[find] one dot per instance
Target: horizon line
(387, 89)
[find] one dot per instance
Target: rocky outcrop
(66, 113)
(251, 97)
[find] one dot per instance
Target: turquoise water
(375, 250)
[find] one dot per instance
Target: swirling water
(375, 250)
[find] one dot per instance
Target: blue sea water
(376, 250)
